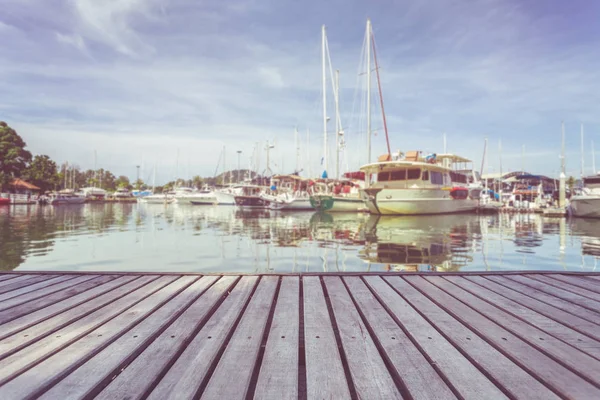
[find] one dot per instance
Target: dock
(527, 335)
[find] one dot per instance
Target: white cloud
(72, 40)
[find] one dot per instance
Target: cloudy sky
(141, 81)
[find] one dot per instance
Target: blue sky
(144, 80)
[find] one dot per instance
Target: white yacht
(226, 196)
(205, 196)
(411, 184)
(159, 198)
(587, 204)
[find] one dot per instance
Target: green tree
(42, 172)
(13, 156)
(197, 182)
(122, 182)
(571, 182)
(139, 184)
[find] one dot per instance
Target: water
(132, 237)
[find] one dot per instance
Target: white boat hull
(200, 199)
(156, 200)
(416, 202)
(332, 203)
(298, 205)
(225, 198)
(585, 206)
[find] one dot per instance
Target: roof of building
(20, 183)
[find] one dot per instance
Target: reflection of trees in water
(32, 230)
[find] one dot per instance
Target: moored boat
(413, 185)
(252, 197)
(587, 204)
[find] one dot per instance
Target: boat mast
(368, 90)
(297, 149)
(308, 152)
(593, 159)
(154, 179)
(387, 137)
(500, 156)
(324, 89)
(445, 148)
(582, 154)
(562, 188)
(337, 123)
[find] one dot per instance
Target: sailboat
(334, 195)
(587, 204)
(412, 183)
(155, 198)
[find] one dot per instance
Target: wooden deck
(368, 336)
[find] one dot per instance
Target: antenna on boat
(562, 188)
(297, 148)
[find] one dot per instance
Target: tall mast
(387, 137)
(445, 148)
(66, 173)
(154, 179)
(95, 171)
(308, 152)
(562, 152)
(500, 157)
(582, 154)
(337, 124)
(593, 159)
(324, 82)
(297, 149)
(224, 164)
(562, 177)
(368, 90)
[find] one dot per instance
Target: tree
(43, 173)
(139, 184)
(13, 156)
(197, 182)
(122, 182)
(571, 182)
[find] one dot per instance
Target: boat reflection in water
(420, 243)
(157, 237)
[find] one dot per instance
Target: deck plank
(184, 377)
(572, 321)
(324, 369)
(33, 348)
(423, 382)
(522, 318)
(34, 378)
(578, 281)
(40, 285)
(544, 368)
(16, 278)
(278, 375)
(5, 277)
(369, 373)
(567, 286)
(13, 284)
(85, 296)
(44, 292)
(585, 302)
(549, 299)
(495, 365)
(91, 377)
(231, 378)
(465, 378)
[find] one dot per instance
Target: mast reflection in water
(147, 237)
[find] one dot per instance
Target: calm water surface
(141, 237)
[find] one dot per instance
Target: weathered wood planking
(278, 375)
(421, 336)
(490, 362)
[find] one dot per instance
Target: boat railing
(19, 198)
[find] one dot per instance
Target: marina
(353, 335)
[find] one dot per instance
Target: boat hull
(197, 200)
(226, 199)
(254, 202)
(331, 203)
(67, 201)
(156, 200)
(415, 202)
(298, 205)
(585, 206)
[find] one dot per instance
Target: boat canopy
(360, 175)
(455, 159)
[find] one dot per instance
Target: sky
(166, 84)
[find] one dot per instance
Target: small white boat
(226, 196)
(205, 196)
(123, 193)
(164, 198)
(587, 204)
(66, 197)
